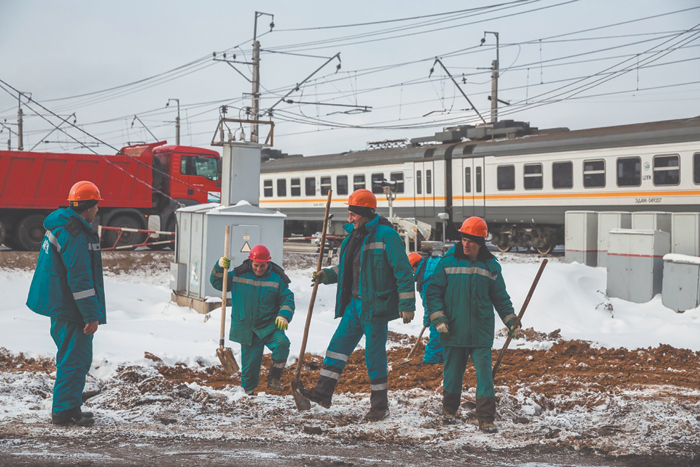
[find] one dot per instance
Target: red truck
(140, 182)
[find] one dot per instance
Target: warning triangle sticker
(246, 248)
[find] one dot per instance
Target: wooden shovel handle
(223, 289)
(315, 289)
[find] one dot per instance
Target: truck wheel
(30, 232)
(109, 237)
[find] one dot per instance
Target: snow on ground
(142, 319)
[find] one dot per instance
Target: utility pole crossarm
(437, 60)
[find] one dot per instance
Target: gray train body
(522, 186)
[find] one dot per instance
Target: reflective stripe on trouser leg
(251, 360)
(481, 358)
(343, 342)
(434, 350)
(73, 360)
(455, 363)
(378, 398)
(278, 343)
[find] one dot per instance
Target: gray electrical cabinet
(608, 221)
(652, 220)
(635, 263)
(681, 285)
(581, 237)
(685, 237)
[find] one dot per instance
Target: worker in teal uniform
(68, 287)
(462, 293)
(423, 268)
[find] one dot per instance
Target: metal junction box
(685, 238)
(651, 220)
(681, 286)
(608, 221)
(635, 263)
(581, 238)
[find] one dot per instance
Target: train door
(459, 187)
(474, 187)
(424, 199)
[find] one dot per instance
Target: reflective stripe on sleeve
(217, 274)
(94, 246)
(330, 374)
(436, 315)
(83, 294)
(379, 387)
(509, 317)
(53, 240)
(472, 270)
(337, 356)
(405, 295)
(289, 309)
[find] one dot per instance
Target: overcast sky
(563, 63)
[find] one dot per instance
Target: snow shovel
(520, 316)
(407, 360)
(224, 353)
(302, 402)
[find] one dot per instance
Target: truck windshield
(201, 165)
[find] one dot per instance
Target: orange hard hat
(84, 191)
(474, 226)
(363, 198)
(414, 258)
(260, 253)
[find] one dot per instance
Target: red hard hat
(83, 191)
(260, 253)
(474, 226)
(414, 258)
(363, 198)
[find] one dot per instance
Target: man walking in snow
(262, 307)
(423, 269)
(375, 286)
(68, 287)
(464, 290)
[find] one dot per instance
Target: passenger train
(520, 179)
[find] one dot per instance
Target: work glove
(407, 316)
(282, 323)
(442, 328)
(318, 276)
(224, 262)
(511, 327)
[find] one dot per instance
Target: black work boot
(486, 413)
(275, 375)
(450, 405)
(71, 417)
(375, 415)
(313, 395)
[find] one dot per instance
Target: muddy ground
(570, 403)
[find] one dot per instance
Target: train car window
(562, 175)
(532, 176)
(341, 183)
(377, 178)
(505, 177)
(358, 182)
(310, 183)
(419, 182)
(696, 168)
(281, 187)
(267, 188)
(593, 174)
(468, 180)
(325, 185)
(478, 179)
(629, 171)
(398, 178)
(667, 170)
(428, 181)
(295, 187)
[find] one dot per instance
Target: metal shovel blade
(227, 360)
(301, 402)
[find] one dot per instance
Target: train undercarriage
(542, 238)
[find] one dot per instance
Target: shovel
(224, 353)
(302, 402)
(407, 360)
(520, 316)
